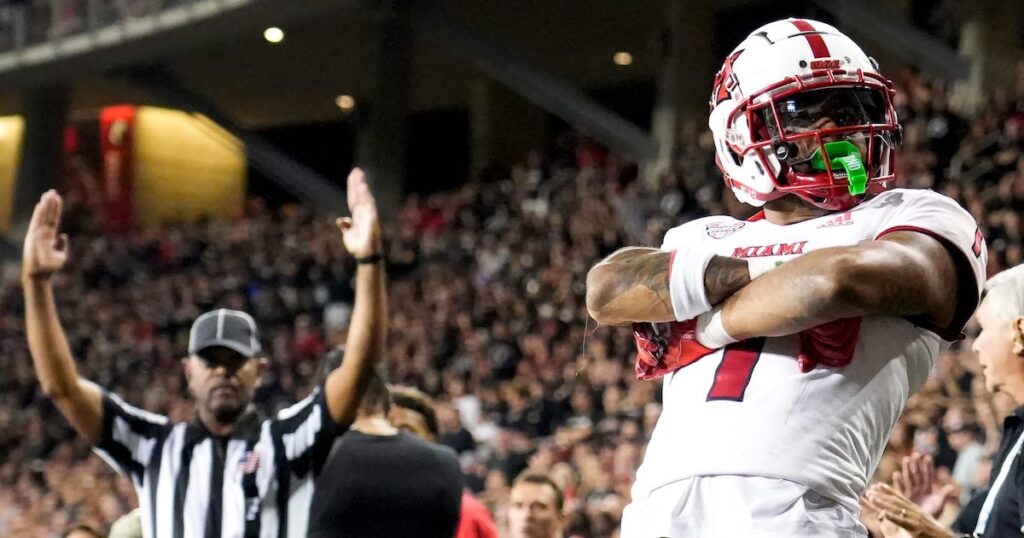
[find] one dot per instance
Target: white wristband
(711, 332)
(759, 266)
(686, 282)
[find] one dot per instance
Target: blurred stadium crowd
(488, 316)
(30, 22)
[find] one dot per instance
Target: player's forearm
(874, 278)
(364, 346)
(632, 285)
(724, 277)
(783, 303)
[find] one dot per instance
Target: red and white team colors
(745, 425)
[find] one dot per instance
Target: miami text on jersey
(778, 249)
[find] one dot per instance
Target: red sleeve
(475, 521)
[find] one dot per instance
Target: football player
(789, 343)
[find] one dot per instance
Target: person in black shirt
(380, 481)
(999, 511)
(414, 412)
(453, 433)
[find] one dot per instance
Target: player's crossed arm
(632, 285)
(903, 274)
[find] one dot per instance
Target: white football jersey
(748, 410)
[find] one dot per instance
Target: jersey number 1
(734, 372)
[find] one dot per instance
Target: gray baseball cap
(232, 329)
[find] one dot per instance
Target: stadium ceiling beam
(297, 179)
(128, 41)
(899, 37)
(544, 90)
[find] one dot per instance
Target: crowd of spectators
(487, 316)
(30, 22)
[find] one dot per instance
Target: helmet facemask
(831, 144)
(799, 108)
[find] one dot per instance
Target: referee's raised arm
(346, 384)
(45, 253)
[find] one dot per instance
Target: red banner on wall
(117, 128)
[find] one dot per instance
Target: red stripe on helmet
(814, 39)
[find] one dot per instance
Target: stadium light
(622, 59)
(273, 35)
(345, 102)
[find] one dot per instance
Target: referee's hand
(46, 251)
(361, 232)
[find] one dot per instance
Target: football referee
(227, 473)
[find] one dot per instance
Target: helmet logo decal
(825, 64)
(718, 230)
(725, 81)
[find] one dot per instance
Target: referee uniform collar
(246, 427)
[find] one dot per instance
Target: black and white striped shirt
(191, 484)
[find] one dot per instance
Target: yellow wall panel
(185, 167)
(11, 130)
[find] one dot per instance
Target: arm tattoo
(632, 287)
(647, 269)
(641, 288)
(724, 277)
(651, 272)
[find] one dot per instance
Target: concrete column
(481, 125)
(990, 38)
(382, 148)
(684, 79)
(45, 112)
(504, 126)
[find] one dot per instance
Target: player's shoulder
(697, 229)
(897, 198)
(923, 205)
(931, 213)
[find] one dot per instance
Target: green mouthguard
(843, 154)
